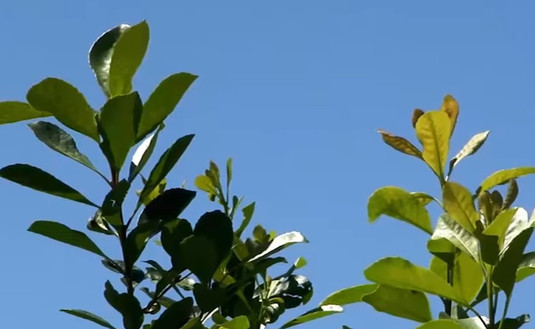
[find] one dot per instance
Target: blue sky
(292, 90)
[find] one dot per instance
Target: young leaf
(512, 193)
(451, 107)
(42, 181)
(66, 104)
(433, 130)
(408, 304)
(280, 242)
(12, 111)
(469, 148)
(503, 176)
(62, 233)
(128, 53)
(118, 123)
(143, 154)
(175, 316)
(449, 229)
(60, 141)
(400, 204)
(248, 212)
(89, 316)
(165, 164)
(457, 201)
(416, 114)
(499, 225)
(125, 304)
(204, 183)
(349, 295)
(400, 273)
(229, 172)
(314, 314)
(400, 144)
(163, 101)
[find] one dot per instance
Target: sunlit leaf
(408, 304)
(400, 204)
(400, 144)
(143, 153)
(433, 130)
(66, 104)
(349, 295)
(217, 227)
(451, 107)
(239, 322)
(62, 233)
(467, 277)
(503, 176)
(13, 111)
(280, 242)
(457, 201)
(449, 229)
(526, 267)
(42, 181)
(163, 101)
(204, 183)
(89, 316)
(441, 324)
(319, 312)
(469, 148)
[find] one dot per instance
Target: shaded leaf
(239, 322)
(457, 201)
(314, 314)
(514, 323)
(400, 273)
(416, 114)
(451, 107)
(66, 104)
(349, 295)
(400, 204)
(512, 193)
(89, 316)
(168, 205)
(125, 304)
(175, 316)
(433, 130)
(128, 53)
(400, 144)
(112, 204)
(280, 242)
(526, 267)
(173, 232)
(519, 223)
(62, 233)
(217, 227)
(163, 101)
(469, 148)
(13, 111)
(137, 239)
(408, 304)
(503, 176)
(248, 212)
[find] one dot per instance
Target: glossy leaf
(168, 205)
(449, 229)
(433, 130)
(128, 53)
(499, 226)
(89, 316)
(163, 101)
(239, 322)
(469, 148)
(175, 316)
(314, 314)
(42, 181)
(400, 204)
(526, 267)
(125, 304)
(112, 205)
(400, 273)
(451, 107)
(66, 104)
(280, 242)
(408, 304)
(400, 144)
(60, 141)
(118, 123)
(349, 295)
(441, 324)
(519, 223)
(62, 233)
(166, 163)
(143, 153)
(13, 111)
(503, 176)
(457, 201)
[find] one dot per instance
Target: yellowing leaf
(451, 107)
(503, 176)
(433, 130)
(457, 201)
(400, 144)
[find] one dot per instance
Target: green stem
(505, 309)
(478, 315)
(490, 294)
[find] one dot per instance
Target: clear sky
(292, 90)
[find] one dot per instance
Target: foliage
(477, 245)
(218, 277)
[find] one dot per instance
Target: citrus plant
(477, 245)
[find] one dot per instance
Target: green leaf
(13, 111)
(163, 101)
(217, 227)
(248, 212)
(314, 314)
(349, 295)
(137, 239)
(514, 323)
(504, 275)
(526, 267)
(173, 232)
(89, 316)
(62, 233)
(469, 148)
(118, 123)
(125, 304)
(200, 255)
(143, 154)
(519, 223)
(499, 226)
(60, 141)
(204, 183)
(239, 322)
(175, 316)
(128, 53)
(451, 108)
(66, 104)
(300, 263)
(207, 298)
(408, 304)
(280, 242)
(42, 181)
(400, 144)
(165, 164)
(457, 201)
(440, 324)
(512, 193)
(449, 229)
(434, 130)
(400, 204)
(503, 176)
(112, 204)
(400, 273)
(229, 172)
(468, 277)
(168, 205)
